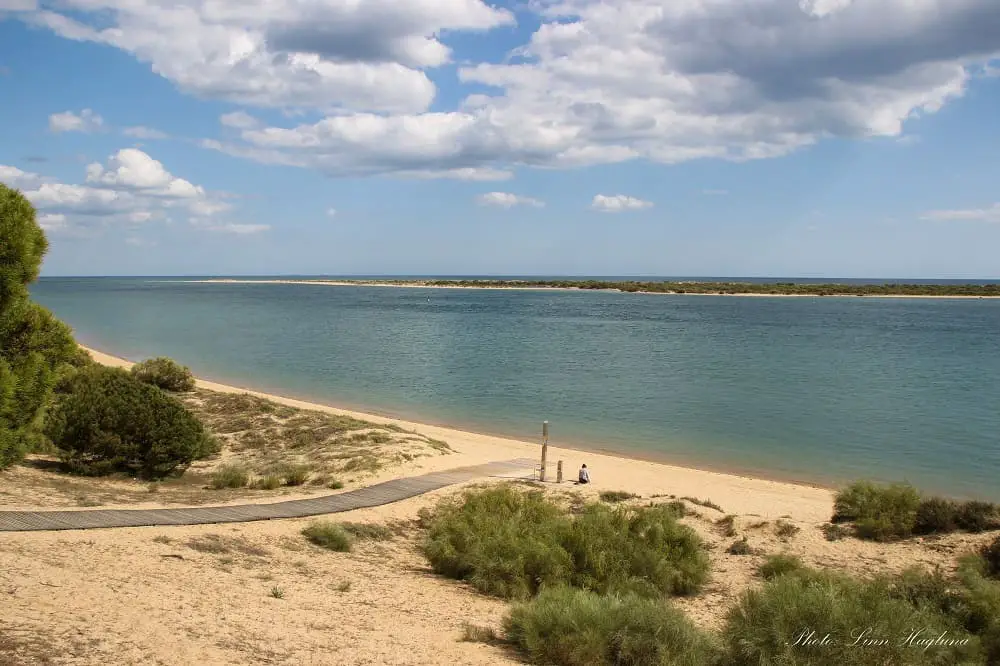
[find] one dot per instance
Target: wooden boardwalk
(382, 493)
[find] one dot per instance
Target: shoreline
(489, 287)
(738, 492)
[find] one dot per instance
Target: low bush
(777, 565)
(935, 515)
(570, 627)
(991, 558)
(615, 496)
(105, 421)
(511, 543)
(328, 535)
(975, 516)
(819, 618)
(785, 529)
(368, 531)
(880, 513)
(230, 476)
(740, 547)
(164, 373)
(296, 475)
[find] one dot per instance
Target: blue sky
(647, 137)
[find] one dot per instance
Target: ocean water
(822, 390)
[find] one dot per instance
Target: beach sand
(260, 593)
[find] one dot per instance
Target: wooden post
(559, 472)
(545, 449)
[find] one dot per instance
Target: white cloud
(142, 132)
(130, 189)
(991, 214)
(617, 203)
(507, 200)
(131, 169)
(86, 121)
(302, 53)
(239, 120)
(597, 83)
(17, 179)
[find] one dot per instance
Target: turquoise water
(815, 389)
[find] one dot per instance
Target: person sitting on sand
(584, 475)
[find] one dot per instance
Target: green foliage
(880, 513)
(569, 627)
(105, 422)
(35, 347)
(328, 535)
(296, 475)
(991, 558)
(975, 516)
(230, 476)
(777, 565)
(615, 496)
(935, 515)
(852, 622)
(368, 531)
(164, 373)
(511, 544)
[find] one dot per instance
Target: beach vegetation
(777, 565)
(105, 421)
(329, 535)
(990, 554)
(475, 633)
(573, 627)
(230, 476)
(740, 547)
(36, 349)
(368, 531)
(708, 504)
(512, 543)
(819, 617)
(164, 373)
(785, 529)
(296, 475)
(616, 496)
(835, 532)
(897, 511)
(277, 592)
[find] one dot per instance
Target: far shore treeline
(775, 289)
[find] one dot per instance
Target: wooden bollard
(545, 449)
(559, 472)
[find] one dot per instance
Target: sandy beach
(260, 593)
(418, 285)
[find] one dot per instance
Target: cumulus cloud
(86, 121)
(130, 189)
(507, 200)
(302, 53)
(991, 214)
(596, 83)
(142, 132)
(617, 203)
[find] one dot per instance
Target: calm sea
(814, 389)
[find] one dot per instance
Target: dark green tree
(35, 347)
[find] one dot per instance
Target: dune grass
(326, 534)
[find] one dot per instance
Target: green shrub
(570, 627)
(974, 516)
(296, 475)
(935, 515)
(328, 535)
(510, 543)
(230, 476)
(643, 550)
(164, 373)
(504, 542)
(368, 531)
(851, 623)
(105, 421)
(777, 565)
(269, 482)
(615, 496)
(834, 532)
(880, 513)
(991, 558)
